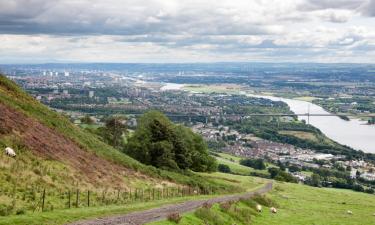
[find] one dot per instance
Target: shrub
(20, 211)
(241, 214)
(209, 217)
(225, 206)
(207, 205)
(174, 217)
(263, 200)
(5, 210)
(223, 168)
(254, 163)
(249, 202)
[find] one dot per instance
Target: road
(142, 217)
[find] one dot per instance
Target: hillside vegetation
(295, 204)
(55, 155)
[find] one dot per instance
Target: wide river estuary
(353, 133)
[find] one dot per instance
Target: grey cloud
(369, 8)
(331, 4)
(135, 18)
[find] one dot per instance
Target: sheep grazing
(10, 152)
(273, 210)
(349, 212)
(259, 208)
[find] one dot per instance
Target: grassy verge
(71, 215)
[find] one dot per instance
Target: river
(353, 133)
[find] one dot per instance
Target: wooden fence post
(43, 199)
(69, 197)
(88, 198)
(77, 198)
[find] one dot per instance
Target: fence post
(118, 195)
(103, 196)
(77, 198)
(88, 198)
(69, 197)
(43, 198)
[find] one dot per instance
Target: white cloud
(186, 30)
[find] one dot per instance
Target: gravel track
(146, 216)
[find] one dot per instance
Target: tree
(315, 180)
(159, 142)
(113, 131)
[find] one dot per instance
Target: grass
(247, 183)
(301, 135)
(234, 164)
(14, 97)
(31, 172)
(71, 215)
(305, 98)
(301, 204)
(214, 88)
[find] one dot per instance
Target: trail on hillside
(146, 216)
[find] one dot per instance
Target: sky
(173, 31)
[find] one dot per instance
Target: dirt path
(141, 217)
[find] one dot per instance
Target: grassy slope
(234, 164)
(15, 97)
(300, 204)
(53, 172)
(64, 216)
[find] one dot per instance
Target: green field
(234, 164)
(218, 88)
(300, 204)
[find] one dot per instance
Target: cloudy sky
(37, 31)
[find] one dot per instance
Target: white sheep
(273, 210)
(10, 152)
(349, 212)
(259, 208)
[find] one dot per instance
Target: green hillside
(55, 155)
(295, 204)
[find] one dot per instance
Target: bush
(5, 210)
(20, 211)
(209, 217)
(225, 206)
(207, 205)
(241, 214)
(223, 168)
(254, 163)
(263, 200)
(174, 217)
(249, 202)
